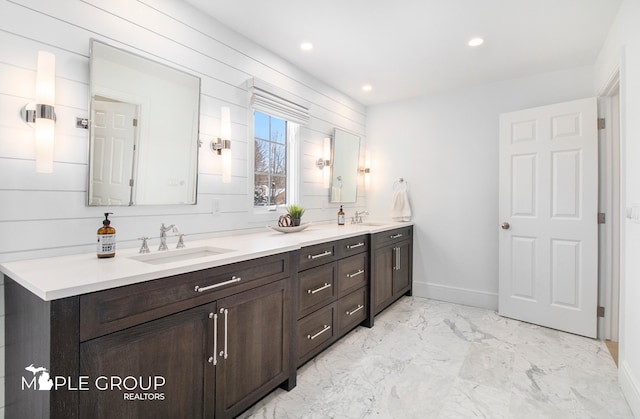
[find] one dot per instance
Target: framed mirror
(345, 156)
(143, 140)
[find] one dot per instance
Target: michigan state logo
(41, 380)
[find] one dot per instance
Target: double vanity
(200, 332)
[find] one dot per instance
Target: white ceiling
(408, 48)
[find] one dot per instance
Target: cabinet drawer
(352, 310)
(316, 255)
(314, 330)
(392, 236)
(352, 246)
(118, 308)
(316, 287)
(353, 273)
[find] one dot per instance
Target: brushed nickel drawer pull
(353, 246)
(324, 329)
(360, 272)
(225, 353)
(395, 236)
(325, 253)
(214, 358)
(354, 311)
(233, 279)
(324, 287)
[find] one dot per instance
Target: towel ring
(400, 185)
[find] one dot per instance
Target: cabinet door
(382, 277)
(254, 329)
(124, 367)
(401, 268)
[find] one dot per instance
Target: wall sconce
(324, 163)
(366, 174)
(41, 113)
(222, 146)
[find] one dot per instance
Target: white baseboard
(630, 388)
(456, 295)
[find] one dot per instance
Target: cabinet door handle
(324, 287)
(397, 262)
(353, 246)
(355, 310)
(224, 352)
(324, 329)
(360, 272)
(325, 253)
(396, 236)
(214, 359)
(233, 279)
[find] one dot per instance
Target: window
(277, 118)
(271, 161)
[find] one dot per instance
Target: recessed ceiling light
(306, 46)
(475, 42)
(367, 87)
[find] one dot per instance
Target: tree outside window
(270, 160)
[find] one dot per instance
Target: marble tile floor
(430, 359)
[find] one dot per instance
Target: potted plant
(295, 211)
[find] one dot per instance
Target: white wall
(46, 215)
(446, 147)
(622, 51)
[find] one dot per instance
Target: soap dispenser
(341, 217)
(106, 238)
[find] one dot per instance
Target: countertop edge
(27, 274)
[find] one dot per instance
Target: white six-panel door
(548, 200)
(113, 152)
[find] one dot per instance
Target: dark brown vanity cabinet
(332, 293)
(204, 344)
(392, 263)
(200, 345)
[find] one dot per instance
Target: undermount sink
(160, 258)
(371, 224)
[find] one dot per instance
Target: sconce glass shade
(327, 150)
(46, 79)
(45, 118)
(326, 155)
(225, 135)
(45, 129)
(226, 165)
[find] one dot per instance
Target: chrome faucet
(357, 219)
(163, 235)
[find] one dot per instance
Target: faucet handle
(180, 244)
(145, 247)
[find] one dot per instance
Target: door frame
(609, 203)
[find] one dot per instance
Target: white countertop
(66, 276)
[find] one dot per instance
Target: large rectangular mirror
(143, 141)
(345, 156)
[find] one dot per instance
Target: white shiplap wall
(46, 214)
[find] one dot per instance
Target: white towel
(400, 208)
(336, 194)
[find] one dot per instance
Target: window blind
(277, 102)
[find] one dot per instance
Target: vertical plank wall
(46, 214)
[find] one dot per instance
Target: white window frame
(274, 101)
(293, 166)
